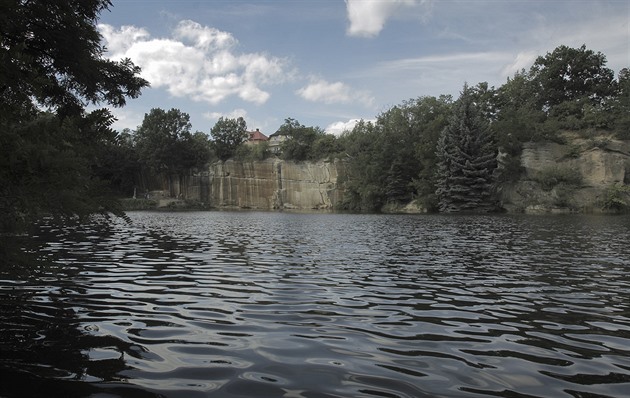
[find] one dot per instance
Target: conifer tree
(467, 157)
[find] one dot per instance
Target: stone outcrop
(269, 184)
(599, 165)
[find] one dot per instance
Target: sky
(329, 63)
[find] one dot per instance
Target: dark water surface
(250, 304)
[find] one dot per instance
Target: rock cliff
(572, 177)
(582, 175)
(269, 184)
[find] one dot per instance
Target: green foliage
(574, 151)
(620, 106)
(325, 146)
(165, 144)
(517, 116)
(51, 58)
(617, 198)
(570, 74)
(393, 160)
(119, 164)
(466, 160)
(299, 145)
(57, 61)
(228, 135)
(599, 142)
(567, 89)
(430, 116)
(250, 153)
(46, 169)
(551, 176)
(364, 187)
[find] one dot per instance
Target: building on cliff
(275, 141)
(256, 137)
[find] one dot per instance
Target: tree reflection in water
(45, 350)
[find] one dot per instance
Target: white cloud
(442, 74)
(235, 114)
(119, 41)
(320, 90)
(206, 37)
(367, 17)
(338, 128)
(126, 118)
(197, 62)
(523, 60)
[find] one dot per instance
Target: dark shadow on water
(44, 349)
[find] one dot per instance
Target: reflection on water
(249, 304)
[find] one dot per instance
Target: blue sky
(328, 63)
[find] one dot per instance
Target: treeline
(57, 159)
(399, 157)
(437, 149)
(405, 153)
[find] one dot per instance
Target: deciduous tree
(51, 58)
(228, 135)
(571, 75)
(165, 144)
(300, 140)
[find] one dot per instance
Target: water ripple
(249, 304)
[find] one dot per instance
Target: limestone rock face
(600, 166)
(270, 184)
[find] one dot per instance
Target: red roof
(257, 136)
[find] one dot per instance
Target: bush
(617, 198)
(599, 142)
(250, 153)
(551, 176)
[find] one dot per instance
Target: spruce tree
(467, 158)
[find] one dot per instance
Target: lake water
(263, 304)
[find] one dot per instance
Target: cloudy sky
(329, 62)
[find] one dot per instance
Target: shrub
(599, 142)
(574, 151)
(617, 198)
(551, 176)
(250, 153)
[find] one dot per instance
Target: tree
(621, 105)
(412, 143)
(466, 160)
(158, 139)
(325, 146)
(397, 140)
(57, 61)
(166, 146)
(119, 164)
(427, 117)
(201, 148)
(300, 141)
(571, 75)
(364, 168)
(228, 135)
(51, 58)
